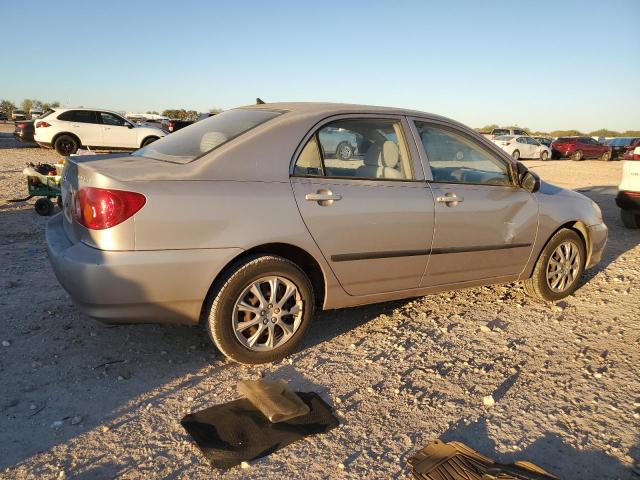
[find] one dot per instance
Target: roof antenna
(259, 101)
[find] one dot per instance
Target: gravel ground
(82, 399)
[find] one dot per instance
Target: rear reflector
(100, 208)
(42, 124)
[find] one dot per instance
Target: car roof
(60, 110)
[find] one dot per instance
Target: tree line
(603, 132)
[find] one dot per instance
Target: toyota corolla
(246, 222)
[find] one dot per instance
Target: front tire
(344, 151)
(559, 267)
(148, 140)
(66, 145)
(516, 154)
(606, 156)
(261, 311)
(544, 155)
(44, 206)
(577, 156)
(630, 219)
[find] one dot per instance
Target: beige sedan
(246, 222)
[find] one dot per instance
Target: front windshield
(193, 141)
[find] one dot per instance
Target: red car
(631, 154)
(579, 148)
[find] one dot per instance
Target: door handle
(450, 199)
(324, 197)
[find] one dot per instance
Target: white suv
(67, 129)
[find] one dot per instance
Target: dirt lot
(80, 399)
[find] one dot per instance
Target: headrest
(211, 140)
(388, 156)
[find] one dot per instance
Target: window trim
(481, 142)
(417, 169)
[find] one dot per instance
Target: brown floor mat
(456, 461)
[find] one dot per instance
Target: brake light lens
(101, 208)
(21, 125)
(42, 124)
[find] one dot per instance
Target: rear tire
(577, 156)
(606, 156)
(225, 315)
(539, 285)
(516, 154)
(66, 145)
(630, 219)
(544, 156)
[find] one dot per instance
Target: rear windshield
(565, 140)
(193, 141)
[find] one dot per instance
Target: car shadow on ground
(7, 140)
(550, 452)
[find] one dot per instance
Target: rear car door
(485, 223)
(83, 124)
(117, 132)
(372, 215)
(535, 148)
(523, 147)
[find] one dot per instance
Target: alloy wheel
(267, 313)
(563, 266)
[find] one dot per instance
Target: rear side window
(189, 143)
(519, 132)
(80, 116)
(565, 140)
(500, 131)
(358, 148)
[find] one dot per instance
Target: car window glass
(363, 148)
(80, 116)
(454, 158)
(110, 119)
(309, 161)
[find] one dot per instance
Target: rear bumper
(598, 235)
(628, 200)
(159, 286)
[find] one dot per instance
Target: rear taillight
(21, 125)
(42, 124)
(100, 208)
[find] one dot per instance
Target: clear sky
(545, 65)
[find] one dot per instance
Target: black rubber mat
(456, 461)
(233, 432)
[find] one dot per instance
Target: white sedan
(522, 147)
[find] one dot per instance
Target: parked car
(175, 125)
(579, 148)
(35, 113)
(3, 117)
(632, 154)
(522, 147)
(620, 145)
(544, 141)
(18, 115)
(628, 198)
(339, 143)
(24, 131)
(497, 132)
(67, 129)
(265, 227)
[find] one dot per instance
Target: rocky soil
(80, 399)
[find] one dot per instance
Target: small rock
(57, 424)
(6, 343)
(597, 375)
(61, 474)
(33, 406)
(244, 465)
(76, 420)
(488, 401)
(485, 329)
(341, 466)
(104, 429)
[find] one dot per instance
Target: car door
(485, 224)
(117, 132)
(523, 147)
(83, 124)
(371, 215)
(535, 148)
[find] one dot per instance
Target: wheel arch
(147, 138)
(297, 255)
(59, 134)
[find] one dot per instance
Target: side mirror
(530, 182)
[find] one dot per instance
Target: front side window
(79, 116)
(357, 148)
(455, 158)
(111, 119)
(192, 142)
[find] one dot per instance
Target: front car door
(523, 147)
(535, 147)
(117, 132)
(485, 224)
(371, 215)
